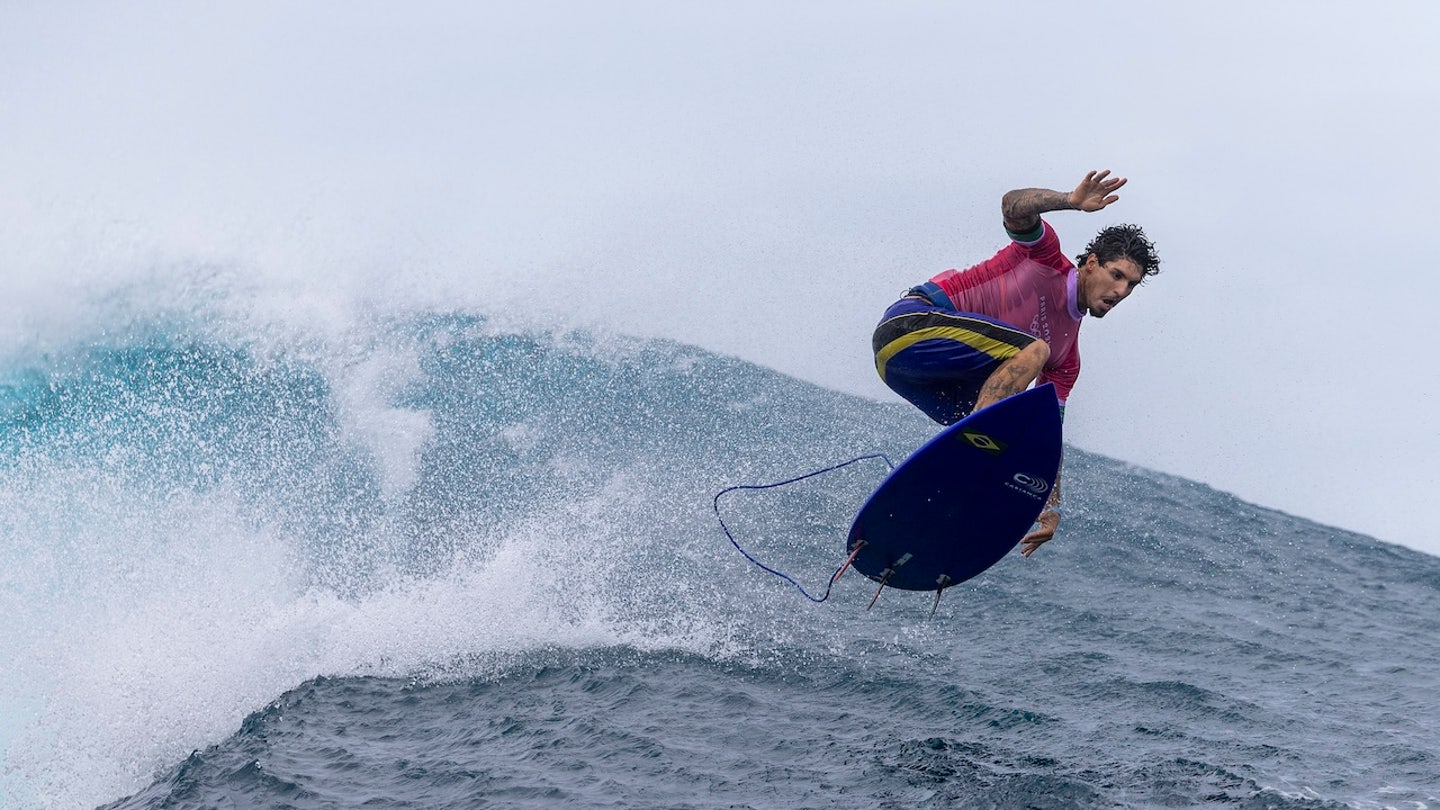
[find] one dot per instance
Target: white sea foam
(145, 619)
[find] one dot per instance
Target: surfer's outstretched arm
(1023, 206)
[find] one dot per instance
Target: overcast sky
(762, 179)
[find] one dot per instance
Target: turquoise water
(458, 564)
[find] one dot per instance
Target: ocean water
(448, 562)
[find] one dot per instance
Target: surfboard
(962, 501)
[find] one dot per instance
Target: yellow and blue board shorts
(938, 358)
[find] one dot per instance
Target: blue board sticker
(964, 499)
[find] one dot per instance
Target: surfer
(968, 338)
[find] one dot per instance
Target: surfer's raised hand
(1049, 521)
(1096, 191)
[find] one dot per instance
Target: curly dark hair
(1123, 240)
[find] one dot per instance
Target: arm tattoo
(1022, 207)
(1008, 380)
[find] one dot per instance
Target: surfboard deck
(962, 501)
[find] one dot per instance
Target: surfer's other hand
(1049, 521)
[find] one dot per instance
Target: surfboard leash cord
(762, 566)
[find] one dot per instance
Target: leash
(762, 566)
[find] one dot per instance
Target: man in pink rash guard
(966, 339)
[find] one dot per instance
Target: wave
(201, 515)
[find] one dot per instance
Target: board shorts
(939, 359)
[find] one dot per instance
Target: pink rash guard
(1031, 286)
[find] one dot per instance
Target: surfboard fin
(884, 578)
(942, 582)
(859, 544)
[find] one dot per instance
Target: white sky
(762, 179)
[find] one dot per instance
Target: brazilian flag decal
(992, 446)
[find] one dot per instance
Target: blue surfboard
(962, 501)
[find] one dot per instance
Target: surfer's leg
(1014, 375)
(944, 403)
(941, 360)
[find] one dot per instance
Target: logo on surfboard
(992, 446)
(1039, 486)
(1030, 486)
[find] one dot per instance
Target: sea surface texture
(454, 564)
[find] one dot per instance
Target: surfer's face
(1101, 287)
